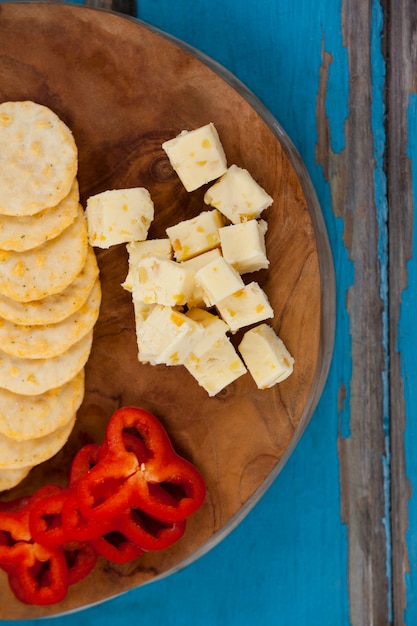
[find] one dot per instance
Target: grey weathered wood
(351, 176)
(401, 81)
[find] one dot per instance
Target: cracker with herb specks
(38, 158)
(56, 307)
(15, 454)
(47, 269)
(35, 376)
(29, 231)
(30, 417)
(50, 340)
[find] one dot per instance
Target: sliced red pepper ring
(39, 575)
(106, 490)
(131, 443)
(45, 520)
(80, 558)
(147, 532)
(13, 530)
(116, 547)
(141, 424)
(76, 526)
(83, 461)
(14, 525)
(181, 483)
(121, 479)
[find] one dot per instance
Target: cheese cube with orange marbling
(197, 156)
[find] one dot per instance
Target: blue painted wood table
(334, 539)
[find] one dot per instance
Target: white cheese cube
(168, 336)
(119, 216)
(196, 235)
(218, 280)
(214, 329)
(216, 368)
(238, 196)
(142, 312)
(266, 356)
(197, 156)
(247, 306)
(193, 265)
(243, 245)
(138, 250)
(161, 281)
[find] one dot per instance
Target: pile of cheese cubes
(187, 289)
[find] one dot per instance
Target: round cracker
(25, 232)
(10, 477)
(57, 307)
(35, 376)
(44, 342)
(15, 454)
(30, 417)
(47, 269)
(38, 158)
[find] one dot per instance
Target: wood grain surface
(123, 90)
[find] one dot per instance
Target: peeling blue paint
(306, 499)
(407, 348)
(337, 98)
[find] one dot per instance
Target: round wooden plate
(124, 88)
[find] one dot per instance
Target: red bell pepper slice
(149, 533)
(105, 492)
(38, 575)
(84, 460)
(116, 547)
(80, 558)
(121, 479)
(76, 526)
(45, 520)
(14, 525)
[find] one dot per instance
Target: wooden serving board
(123, 89)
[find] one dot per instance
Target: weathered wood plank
(351, 173)
(401, 152)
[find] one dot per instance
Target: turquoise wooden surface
(322, 547)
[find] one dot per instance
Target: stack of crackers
(50, 289)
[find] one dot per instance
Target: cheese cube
(197, 156)
(238, 196)
(161, 281)
(266, 356)
(218, 280)
(193, 265)
(214, 329)
(142, 312)
(196, 235)
(216, 368)
(138, 250)
(247, 306)
(243, 245)
(119, 216)
(168, 336)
